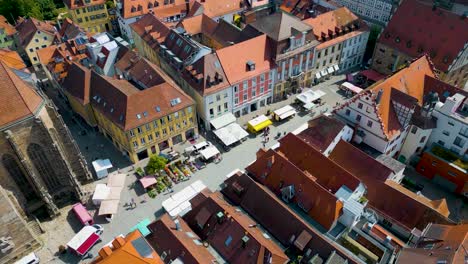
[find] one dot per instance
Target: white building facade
(353, 51)
(373, 11)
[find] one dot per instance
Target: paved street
(62, 229)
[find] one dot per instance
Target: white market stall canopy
(323, 72)
(223, 121)
(231, 133)
(178, 204)
(209, 152)
(109, 207)
(351, 87)
(101, 166)
(114, 193)
(285, 112)
(101, 192)
(258, 120)
(116, 180)
(310, 96)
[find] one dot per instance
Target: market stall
(116, 180)
(82, 242)
(209, 152)
(258, 124)
(310, 96)
(101, 192)
(101, 166)
(148, 181)
(223, 121)
(284, 112)
(178, 204)
(349, 88)
(231, 134)
(109, 208)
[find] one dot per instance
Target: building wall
(217, 104)
(386, 60)
(374, 11)
(124, 24)
(92, 18)
(447, 131)
(414, 143)
(431, 166)
(148, 136)
(353, 51)
(457, 77)
(39, 41)
(145, 50)
(253, 91)
(85, 111)
(345, 134)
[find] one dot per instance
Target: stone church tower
(40, 163)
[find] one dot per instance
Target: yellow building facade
(90, 15)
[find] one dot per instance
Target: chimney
(177, 225)
(250, 65)
(105, 252)
(220, 217)
(187, 6)
(379, 96)
(118, 242)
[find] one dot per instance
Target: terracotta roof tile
(280, 26)
(333, 22)
(180, 244)
(275, 171)
(77, 82)
(410, 210)
(445, 39)
(12, 59)
(198, 24)
(7, 27)
(217, 8)
(143, 7)
(226, 237)
(70, 30)
(27, 28)
(266, 208)
(18, 100)
(234, 58)
(321, 132)
(150, 29)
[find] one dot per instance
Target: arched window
(44, 166)
(18, 176)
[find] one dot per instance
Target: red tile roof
(27, 28)
(234, 59)
(151, 30)
(410, 81)
(143, 7)
(175, 243)
(7, 27)
(130, 107)
(275, 171)
(410, 210)
(18, 100)
(198, 24)
(333, 23)
(321, 132)
(70, 29)
(327, 173)
(217, 8)
(77, 82)
(12, 59)
(226, 236)
(439, 33)
(272, 214)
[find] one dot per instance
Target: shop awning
(109, 207)
(330, 70)
(372, 75)
(231, 133)
(317, 75)
(101, 192)
(323, 72)
(351, 87)
(179, 203)
(336, 67)
(285, 112)
(142, 226)
(148, 181)
(310, 96)
(258, 123)
(209, 152)
(114, 193)
(116, 180)
(309, 106)
(223, 120)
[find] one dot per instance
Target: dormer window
(397, 40)
(156, 4)
(140, 8)
(250, 65)
(133, 10)
(150, 5)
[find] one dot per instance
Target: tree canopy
(155, 164)
(40, 9)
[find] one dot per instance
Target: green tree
(48, 9)
(12, 9)
(155, 164)
(110, 4)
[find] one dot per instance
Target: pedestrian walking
(264, 144)
(133, 203)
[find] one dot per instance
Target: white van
(197, 147)
(29, 259)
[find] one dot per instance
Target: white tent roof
(101, 192)
(209, 152)
(223, 120)
(114, 193)
(200, 145)
(231, 133)
(101, 164)
(310, 96)
(178, 204)
(109, 207)
(116, 180)
(81, 237)
(258, 120)
(285, 111)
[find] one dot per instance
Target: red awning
(92, 239)
(147, 181)
(372, 75)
